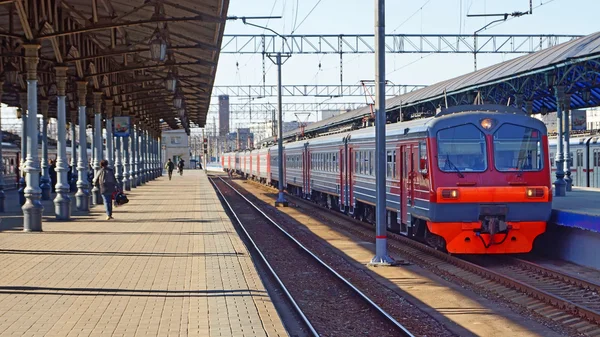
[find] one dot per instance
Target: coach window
(333, 163)
(461, 148)
(389, 162)
(394, 164)
(517, 148)
(423, 157)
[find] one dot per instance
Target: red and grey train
(471, 180)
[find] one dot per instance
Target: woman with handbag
(106, 181)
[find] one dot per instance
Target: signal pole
(381, 256)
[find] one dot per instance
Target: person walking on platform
(170, 166)
(106, 181)
(180, 165)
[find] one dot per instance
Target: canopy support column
(97, 146)
(110, 151)
(560, 187)
(82, 197)
(134, 161)
(2, 195)
(32, 209)
(567, 131)
(45, 178)
(62, 201)
(22, 183)
(119, 155)
(73, 182)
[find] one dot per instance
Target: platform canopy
(128, 50)
(568, 72)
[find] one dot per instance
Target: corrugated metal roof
(573, 53)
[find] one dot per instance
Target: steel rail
(335, 273)
(532, 291)
(266, 262)
(576, 281)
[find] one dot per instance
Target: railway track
(569, 301)
(328, 304)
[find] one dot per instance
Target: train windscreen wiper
(454, 166)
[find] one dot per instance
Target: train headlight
(450, 194)
(535, 192)
(487, 123)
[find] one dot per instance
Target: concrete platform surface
(579, 209)
(170, 264)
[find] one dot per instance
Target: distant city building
(593, 119)
(241, 140)
(581, 120)
(223, 115)
(175, 145)
(325, 114)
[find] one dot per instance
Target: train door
(340, 165)
(595, 169)
(350, 169)
(579, 179)
(409, 152)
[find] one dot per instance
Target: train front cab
(490, 191)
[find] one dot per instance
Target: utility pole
(381, 256)
(278, 61)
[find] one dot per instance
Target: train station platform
(169, 264)
(573, 232)
(579, 209)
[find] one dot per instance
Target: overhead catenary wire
(307, 15)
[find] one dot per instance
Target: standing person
(53, 175)
(170, 166)
(180, 165)
(106, 181)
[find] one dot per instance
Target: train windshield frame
(462, 148)
(518, 148)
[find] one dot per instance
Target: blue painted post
(32, 209)
(73, 182)
(45, 179)
(82, 197)
(119, 155)
(567, 131)
(110, 151)
(97, 149)
(22, 184)
(133, 165)
(560, 187)
(62, 202)
(126, 158)
(143, 156)
(2, 195)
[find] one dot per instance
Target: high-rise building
(223, 115)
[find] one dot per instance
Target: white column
(32, 209)
(82, 197)
(45, 178)
(62, 202)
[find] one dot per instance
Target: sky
(402, 17)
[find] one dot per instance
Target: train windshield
(517, 148)
(461, 149)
